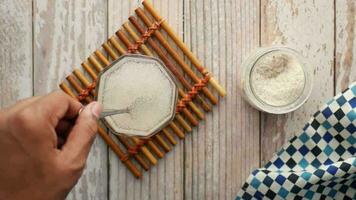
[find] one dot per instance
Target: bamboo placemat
(144, 34)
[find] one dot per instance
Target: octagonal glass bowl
(145, 87)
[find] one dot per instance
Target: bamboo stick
(155, 149)
(191, 104)
(145, 151)
(71, 79)
(137, 156)
(165, 59)
(182, 46)
(152, 146)
(182, 122)
(143, 47)
(116, 45)
(90, 71)
(67, 90)
(102, 58)
(174, 54)
(108, 140)
(186, 112)
(81, 77)
(110, 51)
(133, 34)
(169, 137)
(77, 87)
(83, 80)
(175, 128)
(189, 116)
(162, 143)
(96, 64)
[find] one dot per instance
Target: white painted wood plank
(65, 33)
(15, 51)
(221, 153)
(307, 26)
(165, 180)
(345, 70)
(224, 149)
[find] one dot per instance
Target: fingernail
(96, 109)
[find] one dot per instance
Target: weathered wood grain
(65, 33)
(165, 180)
(216, 158)
(223, 150)
(15, 51)
(345, 38)
(307, 26)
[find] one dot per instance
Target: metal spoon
(110, 112)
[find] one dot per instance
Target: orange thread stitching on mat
(134, 149)
(85, 93)
(124, 158)
(193, 92)
(131, 49)
(155, 26)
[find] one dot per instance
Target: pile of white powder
(144, 88)
(277, 78)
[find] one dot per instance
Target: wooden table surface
(41, 41)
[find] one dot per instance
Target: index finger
(58, 105)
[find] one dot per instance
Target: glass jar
(246, 84)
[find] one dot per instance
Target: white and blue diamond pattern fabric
(319, 163)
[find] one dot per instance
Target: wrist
(37, 193)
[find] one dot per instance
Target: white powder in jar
(277, 78)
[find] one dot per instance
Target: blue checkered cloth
(319, 163)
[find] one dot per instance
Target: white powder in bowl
(144, 87)
(277, 78)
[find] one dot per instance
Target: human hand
(44, 145)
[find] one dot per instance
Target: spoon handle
(109, 112)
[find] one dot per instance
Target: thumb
(82, 135)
